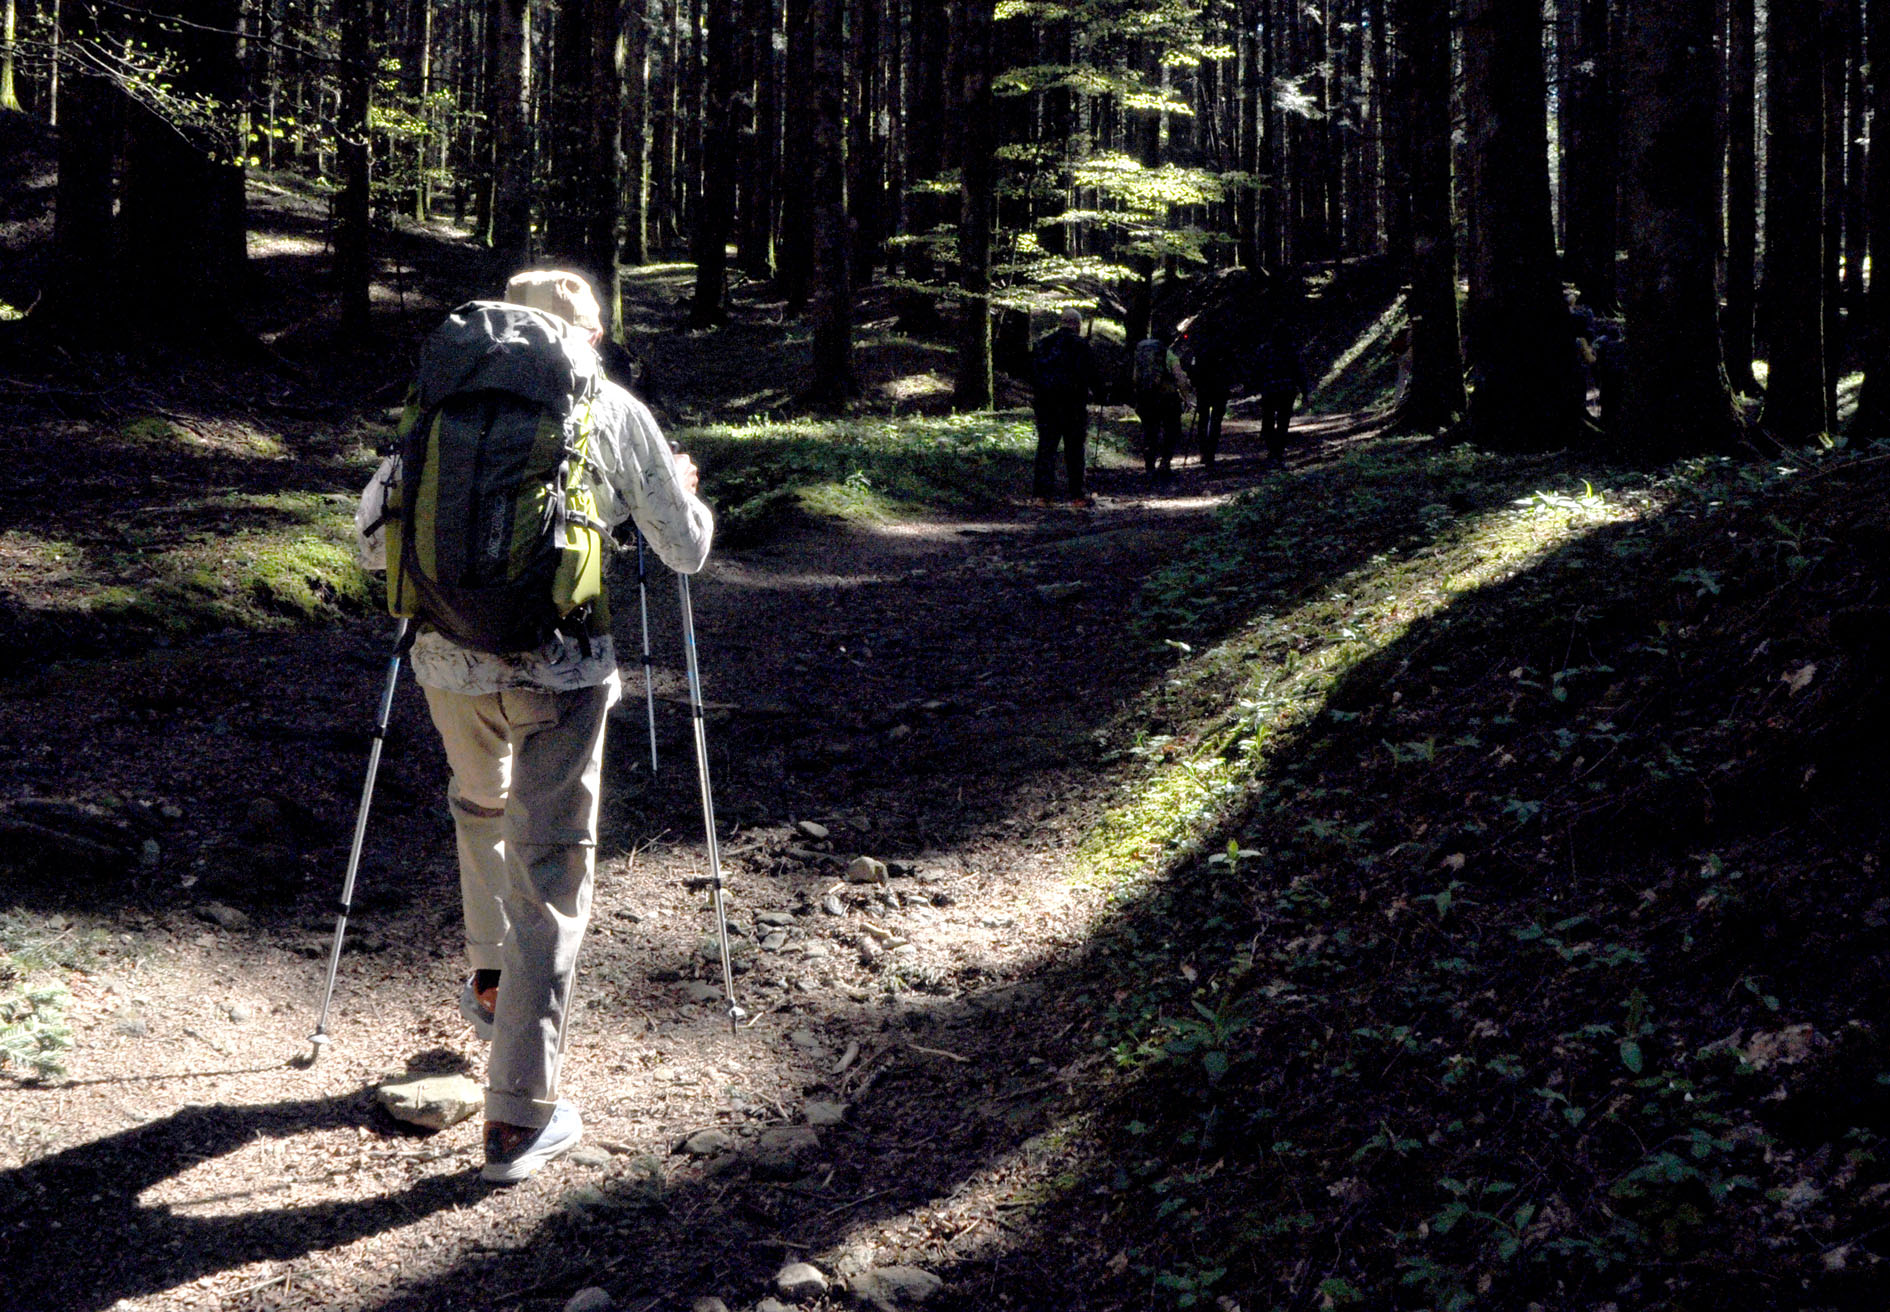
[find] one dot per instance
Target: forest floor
(934, 692)
(1419, 879)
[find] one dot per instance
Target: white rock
(708, 1305)
(799, 1280)
(589, 1300)
(771, 1305)
(813, 829)
(832, 905)
(434, 1102)
(866, 870)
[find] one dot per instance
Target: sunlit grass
(859, 468)
(238, 561)
(1275, 672)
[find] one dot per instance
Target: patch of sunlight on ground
(913, 387)
(1193, 788)
(265, 244)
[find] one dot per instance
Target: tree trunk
(1795, 395)
(9, 95)
(1589, 164)
(715, 206)
(1742, 198)
(830, 290)
(354, 266)
(1527, 394)
(756, 241)
(603, 177)
(798, 163)
(1247, 205)
(1434, 396)
(1873, 407)
(977, 173)
(81, 295)
(511, 141)
(636, 134)
(183, 211)
(1677, 401)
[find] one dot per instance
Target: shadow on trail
(76, 1237)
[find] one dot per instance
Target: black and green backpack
(493, 535)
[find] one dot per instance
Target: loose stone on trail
(707, 1143)
(825, 1113)
(799, 1280)
(589, 1300)
(887, 1287)
(866, 870)
(434, 1102)
(812, 829)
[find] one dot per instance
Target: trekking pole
(735, 1012)
(319, 1039)
(643, 605)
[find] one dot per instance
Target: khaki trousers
(527, 768)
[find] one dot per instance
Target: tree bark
(1742, 198)
(1522, 355)
(1589, 164)
(183, 214)
(1873, 406)
(1677, 401)
(511, 142)
(1434, 395)
(830, 291)
(600, 199)
(795, 254)
(715, 205)
(1795, 394)
(636, 134)
(354, 265)
(90, 109)
(977, 174)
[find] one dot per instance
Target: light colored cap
(556, 292)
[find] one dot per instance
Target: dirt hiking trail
(940, 695)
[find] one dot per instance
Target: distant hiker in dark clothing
(1156, 381)
(1279, 378)
(1210, 368)
(1061, 376)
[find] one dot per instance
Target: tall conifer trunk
(1742, 197)
(1527, 387)
(1795, 394)
(1677, 400)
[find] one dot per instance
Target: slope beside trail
(940, 695)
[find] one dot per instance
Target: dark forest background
(1700, 169)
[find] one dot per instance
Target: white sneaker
(559, 1136)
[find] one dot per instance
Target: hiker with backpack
(1157, 382)
(515, 458)
(1062, 376)
(1278, 377)
(1209, 365)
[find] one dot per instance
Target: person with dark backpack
(1279, 379)
(1209, 366)
(514, 459)
(1062, 375)
(1156, 381)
